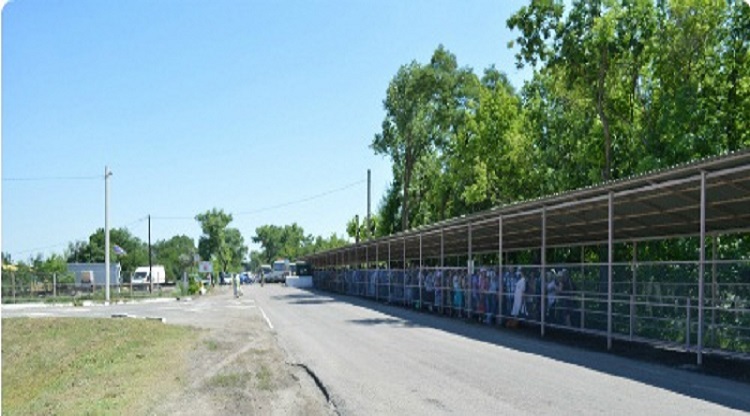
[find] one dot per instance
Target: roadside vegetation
(91, 366)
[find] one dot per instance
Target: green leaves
(176, 255)
(620, 87)
(288, 242)
(426, 106)
(219, 243)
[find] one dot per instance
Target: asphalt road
(379, 359)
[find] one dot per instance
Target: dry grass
(91, 366)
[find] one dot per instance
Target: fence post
(13, 284)
(687, 325)
(54, 285)
(583, 307)
(632, 315)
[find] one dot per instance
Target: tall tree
(405, 136)
(597, 52)
(174, 254)
(491, 156)
(214, 244)
(425, 106)
(735, 67)
(236, 250)
(288, 242)
(93, 250)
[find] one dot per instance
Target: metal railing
(50, 289)
(654, 302)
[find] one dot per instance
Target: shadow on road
(384, 321)
(303, 299)
(712, 382)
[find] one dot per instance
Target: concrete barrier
(299, 281)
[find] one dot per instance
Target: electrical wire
(53, 178)
(299, 201)
(273, 207)
(192, 218)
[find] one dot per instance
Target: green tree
(491, 158)
(237, 250)
(93, 250)
(696, 96)
(176, 255)
(735, 71)
(288, 242)
(389, 209)
(218, 242)
(270, 237)
(597, 53)
(425, 106)
(405, 136)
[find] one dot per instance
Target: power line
(134, 222)
(154, 217)
(299, 201)
(38, 249)
(52, 178)
(269, 208)
(141, 219)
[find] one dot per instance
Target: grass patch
(231, 380)
(264, 378)
(211, 344)
(90, 366)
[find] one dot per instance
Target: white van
(141, 276)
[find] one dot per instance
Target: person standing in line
(566, 290)
(553, 285)
(457, 295)
(510, 290)
(519, 306)
(491, 298)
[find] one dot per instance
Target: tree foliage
(290, 242)
(219, 243)
(424, 105)
(176, 255)
(619, 87)
(281, 242)
(92, 251)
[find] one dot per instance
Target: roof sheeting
(657, 205)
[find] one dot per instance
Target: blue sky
(237, 105)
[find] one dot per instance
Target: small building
(87, 274)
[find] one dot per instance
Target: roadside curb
(91, 303)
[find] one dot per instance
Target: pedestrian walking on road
(236, 285)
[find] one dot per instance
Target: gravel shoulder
(237, 367)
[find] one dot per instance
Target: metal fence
(653, 302)
(53, 289)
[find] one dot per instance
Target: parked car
(245, 278)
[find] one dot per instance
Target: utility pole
(150, 273)
(356, 231)
(369, 229)
(107, 174)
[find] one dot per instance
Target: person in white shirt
(519, 306)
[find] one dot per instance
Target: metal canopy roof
(657, 205)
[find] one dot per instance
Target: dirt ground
(237, 367)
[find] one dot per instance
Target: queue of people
(456, 292)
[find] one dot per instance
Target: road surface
(371, 358)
